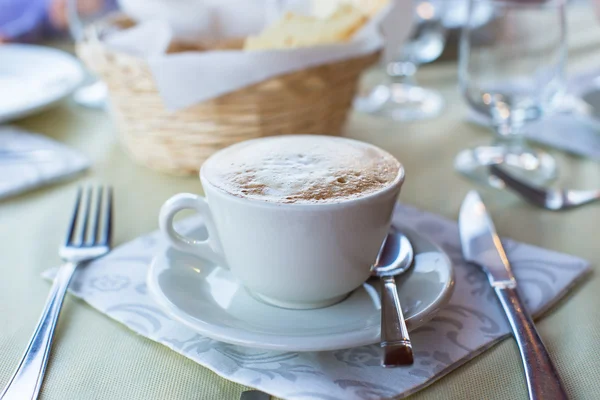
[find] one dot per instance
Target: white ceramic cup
(290, 255)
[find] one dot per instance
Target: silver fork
(550, 199)
(84, 242)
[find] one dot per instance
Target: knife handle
(543, 381)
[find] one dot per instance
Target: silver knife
(481, 245)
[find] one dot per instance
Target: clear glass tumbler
(511, 80)
(399, 97)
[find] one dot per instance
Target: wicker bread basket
(315, 100)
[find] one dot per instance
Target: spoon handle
(397, 349)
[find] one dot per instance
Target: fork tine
(73, 223)
(106, 234)
(96, 223)
(86, 217)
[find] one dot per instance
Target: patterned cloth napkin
(28, 160)
(471, 323)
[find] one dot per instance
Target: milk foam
(301, 169)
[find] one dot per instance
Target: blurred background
(398, 89)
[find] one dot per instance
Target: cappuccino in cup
(297, 219)
(302, 169)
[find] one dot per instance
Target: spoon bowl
(395, 257)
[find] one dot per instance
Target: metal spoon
(395, 258)
(550, 199)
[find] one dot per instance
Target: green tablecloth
(96, 358)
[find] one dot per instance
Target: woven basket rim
(311, 100)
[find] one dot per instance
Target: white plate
(210, 301)
(33, 78)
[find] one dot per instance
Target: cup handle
(211, 247)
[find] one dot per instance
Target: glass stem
(509, 136)
(402, 72)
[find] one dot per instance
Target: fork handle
(27, 379)
(543, 381)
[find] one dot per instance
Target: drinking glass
(398, 96)
(512, 80)
(81, 15)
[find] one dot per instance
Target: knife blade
(482, 246)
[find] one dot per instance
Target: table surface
(95, 357)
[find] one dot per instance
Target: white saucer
(33, 78)
(210, 301)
